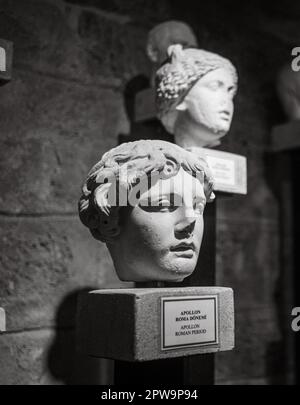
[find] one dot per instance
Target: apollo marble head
(145, 200)
(194, 96)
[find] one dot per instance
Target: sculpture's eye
(163, 203)
(232, 90)
(169, 202)
(214, 85)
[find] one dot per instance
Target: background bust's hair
(127, 164)
(177, 76)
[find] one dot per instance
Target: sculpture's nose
(186, 221)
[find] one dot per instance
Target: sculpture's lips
(225, 115)
(184, 249)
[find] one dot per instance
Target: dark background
(64, 108)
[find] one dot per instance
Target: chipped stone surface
(47, 357)
(75, 43)
(42, 151)
(23, 358)
(44, 263)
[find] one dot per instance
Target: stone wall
(63, 108)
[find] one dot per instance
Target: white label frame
(167, 342)
(231, 175)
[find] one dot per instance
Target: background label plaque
(189, 321)
(229, 170)
(223, 169)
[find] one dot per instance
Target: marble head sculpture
(194, 96)
(145, 200)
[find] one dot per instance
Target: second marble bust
(145, 200)
(194, 96)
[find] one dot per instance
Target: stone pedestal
(145, 324)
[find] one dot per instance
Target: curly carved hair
(177, 76)
(127, 164)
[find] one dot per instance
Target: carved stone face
(161, 241)
(209, 106)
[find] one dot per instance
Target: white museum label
(223, 170)
(189, 321)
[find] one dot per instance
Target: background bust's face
(210, 101)
(162, 242)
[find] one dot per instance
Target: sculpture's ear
(182, 106)
(152, 53)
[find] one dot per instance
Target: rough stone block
(76, 43)
(48, 147)
(114, 49)
(44, 263)
(24, 358)
(41, 36)
(139, 325)
(48, 357)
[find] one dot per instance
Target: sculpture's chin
(220, 130)
(175, 271)
(175, 278)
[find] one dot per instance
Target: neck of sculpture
(190, 134)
